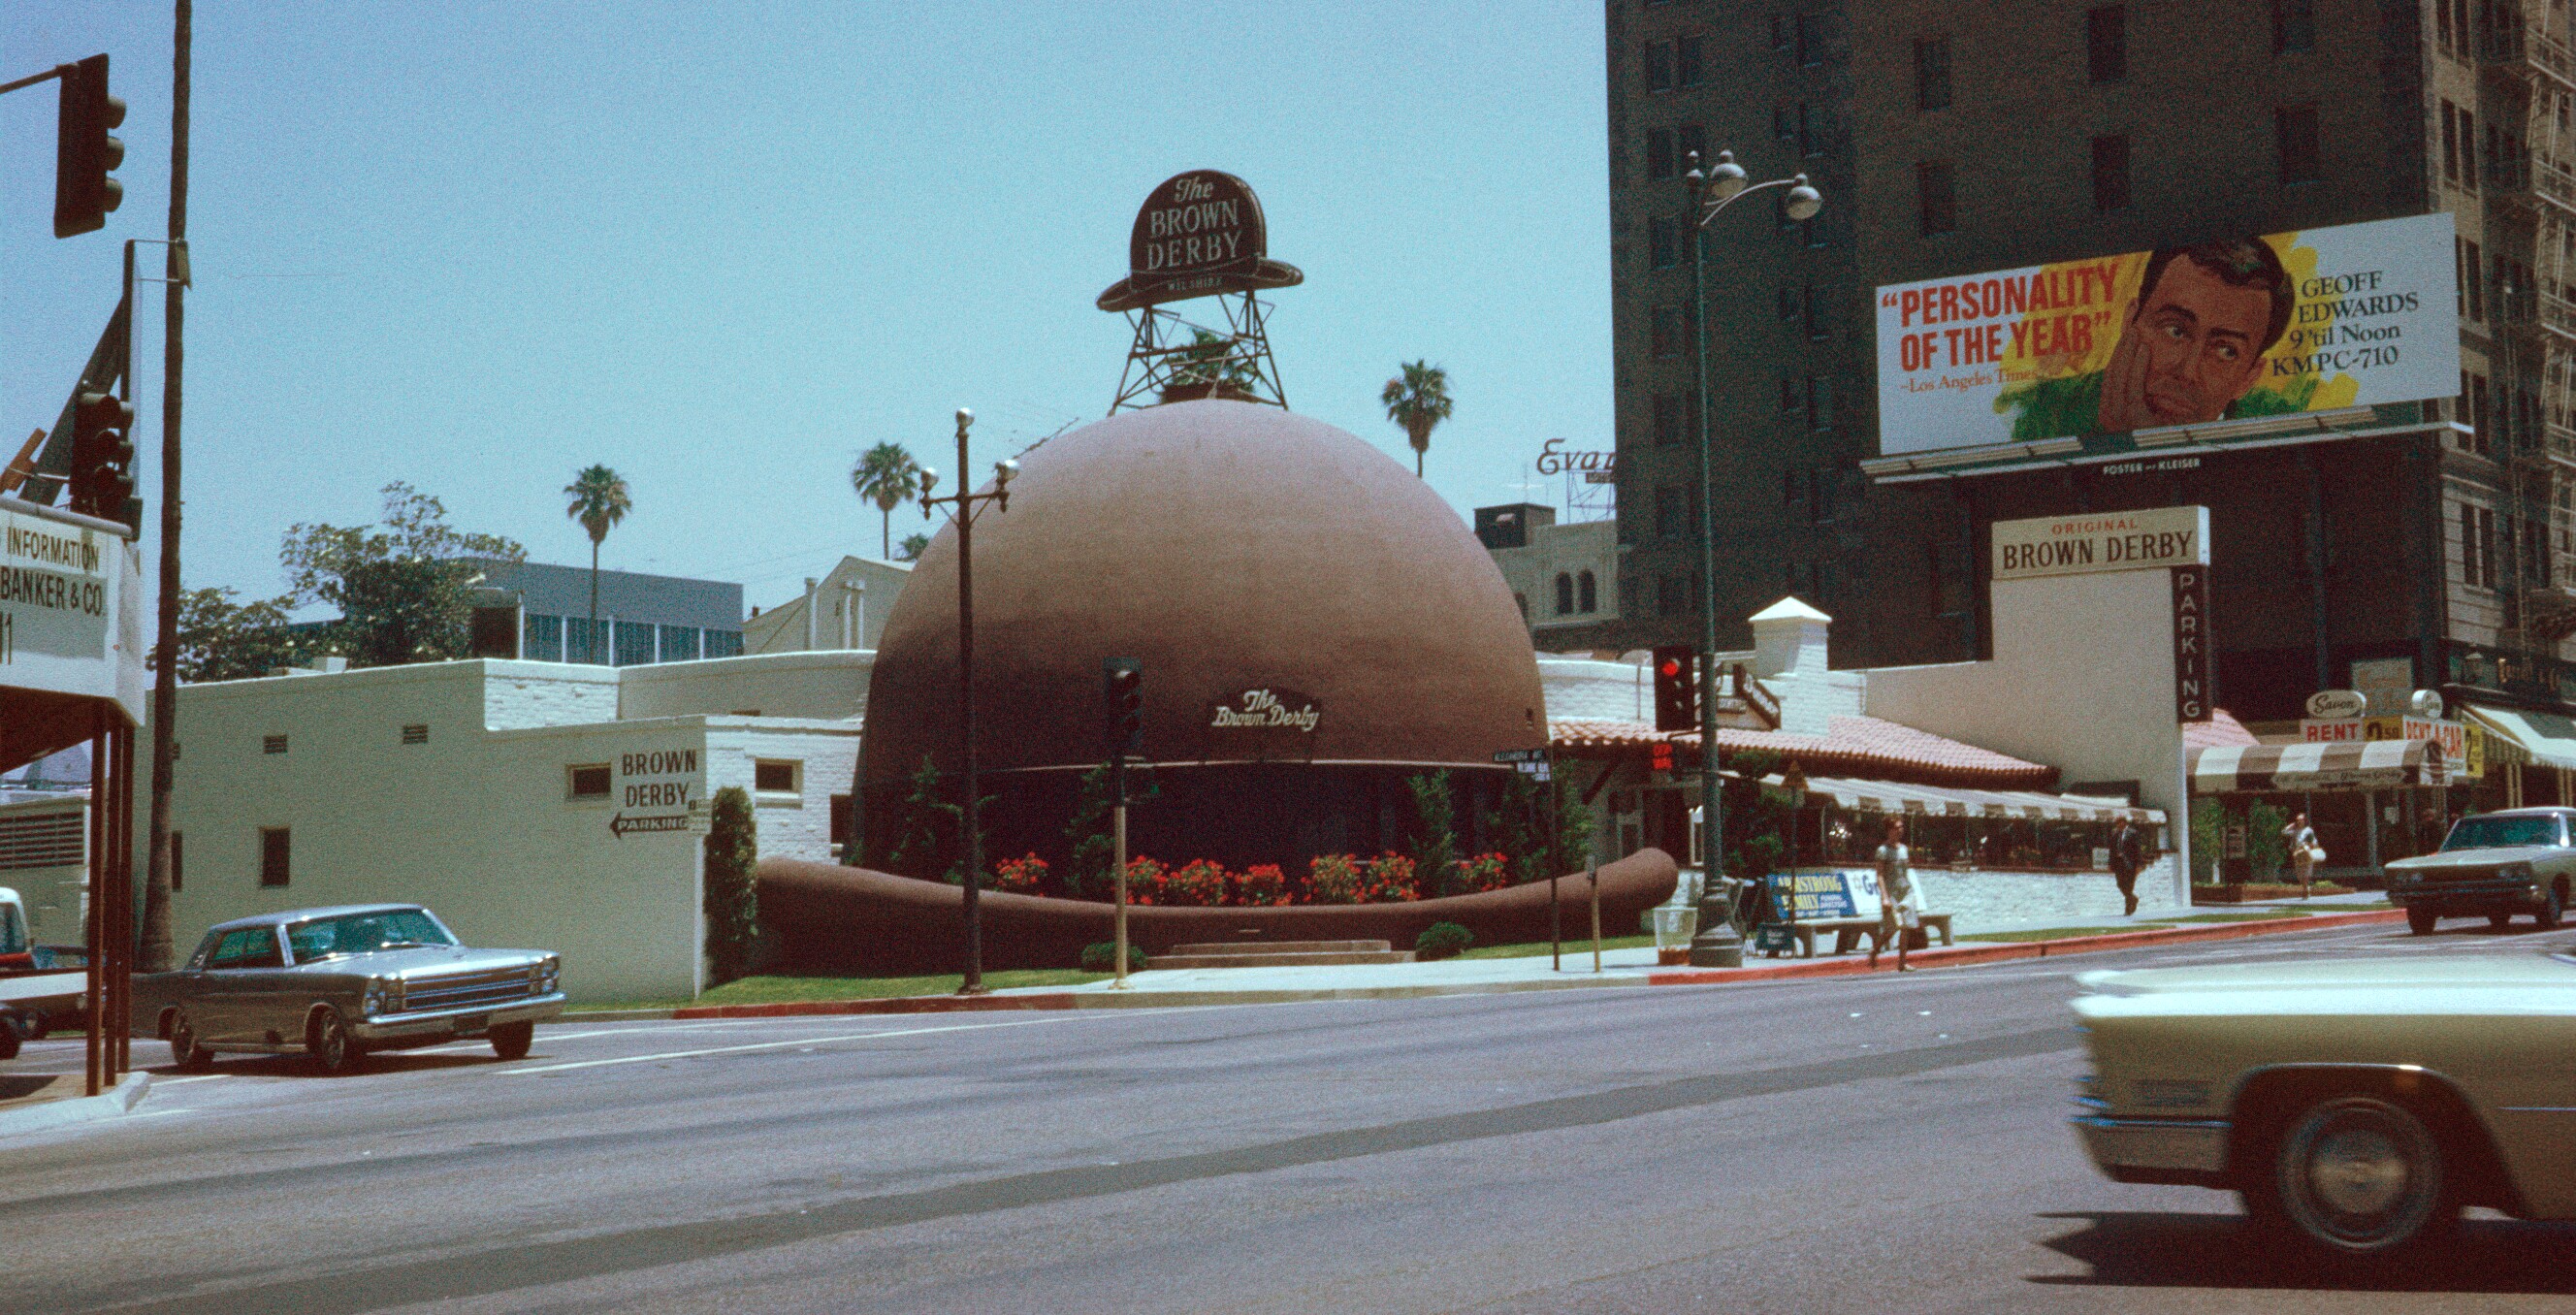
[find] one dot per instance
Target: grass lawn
(2056, 933)
(780, 990)
(1541, 947)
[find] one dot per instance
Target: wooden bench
(1849, 932)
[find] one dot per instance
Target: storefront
(2370, 801)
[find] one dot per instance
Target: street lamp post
(1718, 944)
(970, 820)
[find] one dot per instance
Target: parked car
(336, 983)
(2493, 865)
(2357, 1106)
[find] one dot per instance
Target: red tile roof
(2219, 732)
(1864, 747)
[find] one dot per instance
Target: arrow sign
(622, 826)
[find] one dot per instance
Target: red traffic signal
(1676, 689)
(102, 477)
(84, 151)
(1660, 757)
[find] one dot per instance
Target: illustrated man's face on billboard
(2193, 345)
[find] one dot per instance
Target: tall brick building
(1952, 138)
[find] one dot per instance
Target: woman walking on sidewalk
(1899, 913)
(2304, 852)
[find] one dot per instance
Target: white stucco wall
(478, 823)
(56, 895)
(2082, 679)
(817, 686)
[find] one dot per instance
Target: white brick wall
(1986, 899)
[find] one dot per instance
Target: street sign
(1520, 755)
(1538, 770)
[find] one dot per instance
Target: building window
(416, 733)
(542, 639)
(1811, 306)
(2442, 25)
(1784, 123)
(1811, 39)
(2450, 142)
(2468, 150)
(585, 641)
(1670, 599)
(1780, 31)
(1659, 66)
(1663, 244)
(2294, 127)
(1670, 509)
(723, 643)
(1587, 594)
(587, 781)
(2294, 26)
(1690, 147)
(679, 644)
(272, 744)
(1564, 594)
(1686, 62)
(1666, 330)
(276, 855)
(2106, 43)
(1659, 154)
(1935, 208)
(2111, 173)
(1668, 420)
(2473, 278)
(634, 644)
(775, 776)
(1820, 402)
(1793, 398)
(1932, 73)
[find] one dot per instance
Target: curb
(1958, 956)
(1999, 951)
(78, 1109)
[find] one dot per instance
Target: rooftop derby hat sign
(1200, 234)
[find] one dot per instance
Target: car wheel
(2359, 1176)
(327, 1039)
(511, 1040)
(8, 1036)
(2420, 920)
(185, 1053)
(2553, 908)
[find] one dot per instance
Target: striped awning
(2374, 765)
(1950, 801)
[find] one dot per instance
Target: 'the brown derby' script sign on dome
(1267, 709)
(1199, 234)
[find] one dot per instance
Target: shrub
(1199, 883)
(1262, 886)
(1482, 873)
(1435, 840)
(1145, 881)
(732, 898)
(1102, 957)
(1333, 879)
(1020, 876)
(1442, 940)
(1389, 879)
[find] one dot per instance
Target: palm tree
(599, 502)
(1419, 401)
(889, 477)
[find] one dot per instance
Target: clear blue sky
(723, 247)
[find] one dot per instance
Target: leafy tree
(1418, 400)
(1209, 367)
(1435, 835)
(599, 502)
(222, 638)
(930, 835)
(404, 586)
(1088, 836)
(732, 896)
(887, 476)
(912, 547)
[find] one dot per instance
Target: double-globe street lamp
(970, 819)
(1718, 945)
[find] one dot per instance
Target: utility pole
(971, 823)
(156, 949)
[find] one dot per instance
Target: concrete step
(1283, 947)
(1293, 959)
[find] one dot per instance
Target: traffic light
(84, 151)
(1676, 689)
(1122, 685)
(103, 458)
(1659, 756)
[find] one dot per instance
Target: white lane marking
(781, 1045)
(172, 1082)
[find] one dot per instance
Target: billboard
(2281, 324)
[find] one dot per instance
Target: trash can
(1674, 928)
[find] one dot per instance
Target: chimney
(1789, 640)
(811, 601)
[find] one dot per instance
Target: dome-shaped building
(1314, 623)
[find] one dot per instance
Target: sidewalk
(1172, 988)
(56, 1101)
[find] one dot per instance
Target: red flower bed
(1020, 876)
(1330, 879)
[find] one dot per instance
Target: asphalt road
(1879, 1144)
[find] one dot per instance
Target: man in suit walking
(2128, 854)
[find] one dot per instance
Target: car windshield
(358, 933)
(13, 933)
(2501, 833)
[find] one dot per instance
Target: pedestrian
(2128, 854)
(2304, 851)
(1899, 910)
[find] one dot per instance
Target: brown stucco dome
(1230, 547)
